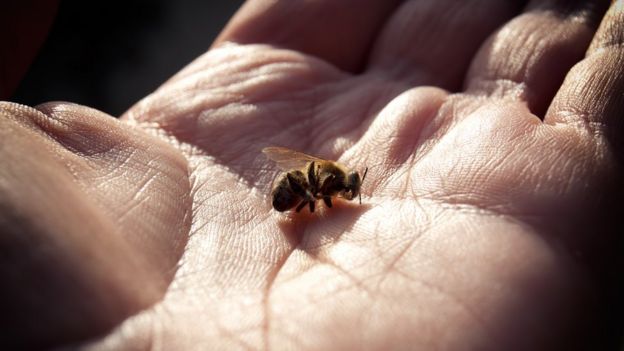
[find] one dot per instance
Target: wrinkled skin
(490, 133)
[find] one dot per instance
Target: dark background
(110, 54)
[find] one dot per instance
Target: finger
(528, 58)
(337, 31)
(432, 42)
(593, 92)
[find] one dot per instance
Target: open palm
(489, 177)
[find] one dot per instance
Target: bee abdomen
(283, 197)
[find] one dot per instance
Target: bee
(307, 179)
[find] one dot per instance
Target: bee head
(353, 185)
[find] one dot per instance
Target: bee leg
(301, 205)
(312, 206)
(327, 201)
(312, 176)
(326, 182)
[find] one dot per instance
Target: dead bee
(307, 179)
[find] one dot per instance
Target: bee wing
(287, 159)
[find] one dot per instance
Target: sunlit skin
(486, 217)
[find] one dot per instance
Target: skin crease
(487, 209)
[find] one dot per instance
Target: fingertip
(339, 32)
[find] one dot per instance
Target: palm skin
(472, 233)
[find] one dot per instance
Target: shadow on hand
(310, 231)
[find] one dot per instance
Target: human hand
(490, 195)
